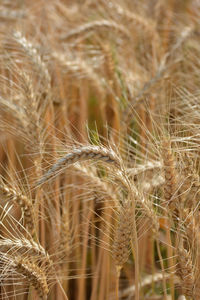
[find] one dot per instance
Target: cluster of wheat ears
(99, 149)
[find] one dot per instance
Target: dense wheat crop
(99, 149)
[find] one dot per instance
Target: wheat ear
(24, 202)
(82, 154)
(34, 274)
(123, 235)
(25, 246)
(95, 26)
(148, 26)
(33, 54)
(170, 186)
(185, 271)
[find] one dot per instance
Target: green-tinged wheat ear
(23, 201)
(123, 235)
(34, 274)
(81, 154)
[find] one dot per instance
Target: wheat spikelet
(123, 235)
(35, 57)
(81, 69)
(150, 213)
(155, 182)
(30, 102)
(12, 15)
(95, 26)
(170, 186)
(146, 25)
(24, 202)
(34, 274)
(23, 247)
(190, 229)
(82, 154)
(186, 271)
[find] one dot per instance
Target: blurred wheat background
(99, 149)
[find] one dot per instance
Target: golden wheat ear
(16, 196)
(123, 235)
(34, 274)
(84, 153)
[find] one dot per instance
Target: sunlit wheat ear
(12, 15)
(96, 26)
(81, 154)
(23, 201)
(189, 185)
(35, 57)
(146, 26)
(170, 187)
(190, 229)
(185, 271)
(123, 235)
(34, 274)
(22, 246)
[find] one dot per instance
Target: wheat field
(99, 149)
